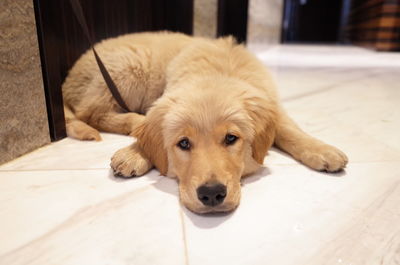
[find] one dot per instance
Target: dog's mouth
(209, 210)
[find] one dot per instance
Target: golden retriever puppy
(203, 111)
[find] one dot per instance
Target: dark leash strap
(76, 6)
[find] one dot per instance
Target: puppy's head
(209, 138)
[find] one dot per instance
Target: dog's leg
(78, 129)
(121, 123)
(306, 149)
(130, 162)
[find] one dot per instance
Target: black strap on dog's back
(76, 6)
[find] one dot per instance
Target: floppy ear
(150, 139)
(263, 140)
(263, 116)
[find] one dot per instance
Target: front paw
(324, 158)
(129, 162)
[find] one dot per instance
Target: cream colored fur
(189, 87)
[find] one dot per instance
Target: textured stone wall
(23, 118)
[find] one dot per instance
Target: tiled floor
(61, 204)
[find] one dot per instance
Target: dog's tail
(78, 129)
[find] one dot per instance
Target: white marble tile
(292, 215)
(351, 106)
(87, 217)
(71, 154)
(60, 204)
(360, 116)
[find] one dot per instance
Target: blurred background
(41, 39)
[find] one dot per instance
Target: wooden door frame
(61, 40)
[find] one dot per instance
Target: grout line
(184, 235)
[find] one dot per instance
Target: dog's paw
(81, 131)
(129, 162)
(91, 135)
(324, 157)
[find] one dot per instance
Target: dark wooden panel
(51, 62)
(375, 24)
(389, 10)
(381, 21)
(61, 39)
(378, 34)
(232, 19)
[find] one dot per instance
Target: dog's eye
(230, 139)
(184, 144)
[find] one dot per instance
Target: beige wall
(23, 118)
(264, 22)
(205, 18)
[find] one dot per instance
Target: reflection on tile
(326, 56)
(67, 217)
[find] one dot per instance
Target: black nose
(211, 194)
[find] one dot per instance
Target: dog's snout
(211, 194)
